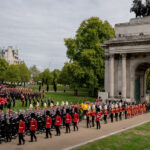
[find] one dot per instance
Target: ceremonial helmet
(105, 107)
(31, 106)
(116, 105)
(57, 104)
(62, 104)
(120, 104)
(67, 103)
(52, 104)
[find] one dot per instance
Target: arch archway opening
(142, 82)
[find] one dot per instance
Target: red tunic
(105, 112)
(48, 122)
(112, 111)
(21, 127)
(58, 120)
(68, 118)
(33, 125)
(98, 116)
(75, 118)
(93, 113)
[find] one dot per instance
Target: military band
(52, 116)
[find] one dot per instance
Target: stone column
(106, 84)
(111, 75)
(124, 76)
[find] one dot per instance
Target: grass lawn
(59, 88)
(133, 139)
(59, 97)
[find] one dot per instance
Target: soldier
(116, 111)
(48, 124)
(126, 111)
(14, 101)
(75, 120)
(98, 117)
(33, 127)
(105, 114)
(120, 111)
(21, 130)
(112, 112)
(88, 118)
(67, 121)
(93, 113)
(58, 122)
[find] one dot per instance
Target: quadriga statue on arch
(140, 9)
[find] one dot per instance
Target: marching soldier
(75, 120)
(33, 127)
(58, 122)
(126, 111)
(21, 130)
(116, 112)
(105, 114)
(48, 124)
(93, 113)
(67, 121)
(112, 113)
(120, 111)
(98, 117)
(88, 119)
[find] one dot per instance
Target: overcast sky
(38, 27)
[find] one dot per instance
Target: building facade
(10, 55)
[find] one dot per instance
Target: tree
(3, 68)
(13, 74)
(24, 73)
(46, 77)
(34, 73)
(86, 54)
(56, 77)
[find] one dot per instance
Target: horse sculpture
(140, 9)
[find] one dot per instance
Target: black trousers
(48, 132)
(67, 127)
(105, 118)
(93, 119)
(21, 138)
(57, 130)
(125, 114)
(75, 126)
(32, 133)
(112, 117)
(8, 137)
(120, 115)
(98, 124)
(116, 116)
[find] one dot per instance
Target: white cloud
(38, 27)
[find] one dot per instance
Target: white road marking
(104, 136)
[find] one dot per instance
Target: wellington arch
(127, 57)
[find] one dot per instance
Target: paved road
(74, 138)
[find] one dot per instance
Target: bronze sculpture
(140, 9)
